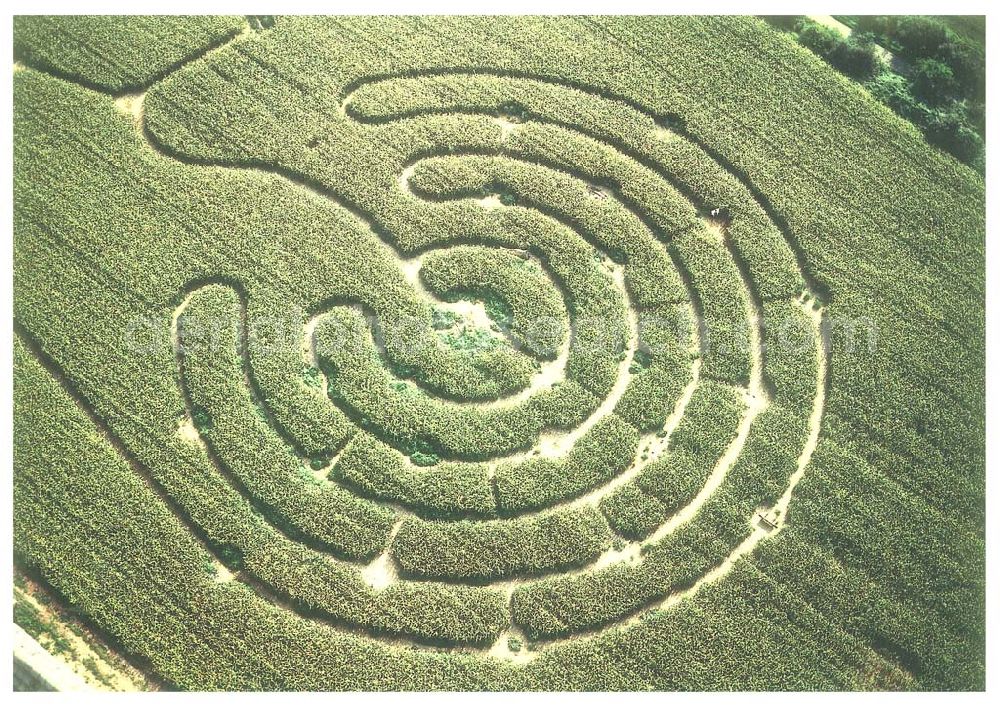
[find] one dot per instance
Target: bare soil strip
(77, 667)
(53, 672)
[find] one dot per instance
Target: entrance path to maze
(392, 353)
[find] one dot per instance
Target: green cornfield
(524, 353)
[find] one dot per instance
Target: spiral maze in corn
(571, 372)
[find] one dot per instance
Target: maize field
(472, 353)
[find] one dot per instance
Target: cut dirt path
(78, 667)
(54, 672)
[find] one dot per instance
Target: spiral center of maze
(590, 379)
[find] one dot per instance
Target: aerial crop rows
(410, 417)
(465, 550)
(639, 507)
(75, 44)
(603, 452)
(630, 260)
(444, 490)
(281, 369)
(565, 605)
(226, 417)
(537, 315)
